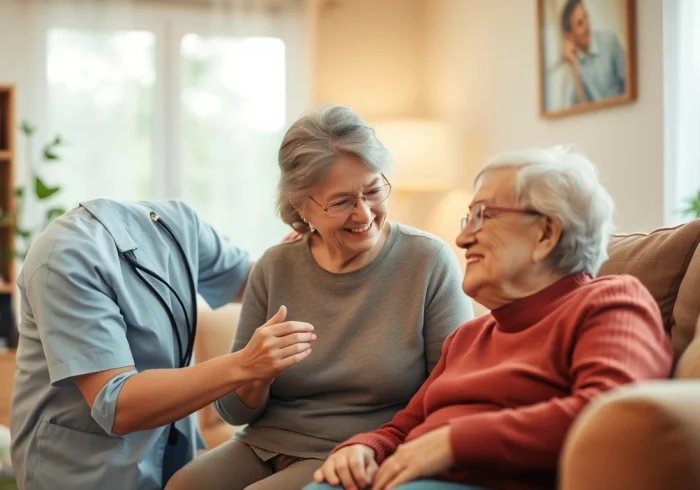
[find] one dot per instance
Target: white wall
(370, 56)
(482, 76)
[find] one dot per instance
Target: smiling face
(505, 253)
(347, 230)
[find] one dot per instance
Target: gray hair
(563, 185)
(310, 147)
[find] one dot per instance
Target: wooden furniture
(7, 203)
(7, 373)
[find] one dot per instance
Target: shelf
(7, 288)
(5, 155)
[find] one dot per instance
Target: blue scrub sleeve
(81, 327)
(104, 409)
(223, 268)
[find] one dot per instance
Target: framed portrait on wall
(587, 55)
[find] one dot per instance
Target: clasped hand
(277, 345)
(354, 467)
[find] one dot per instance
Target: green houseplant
(36, 193)
(693, 204)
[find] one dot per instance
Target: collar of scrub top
(103, 212)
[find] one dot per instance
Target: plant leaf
(27, 128)
(42, 190)
(57, 141)
(693, 204)
(49, 154)
(54, 213)
(19, 192)
(25, 234)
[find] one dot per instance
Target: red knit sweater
(510, 383)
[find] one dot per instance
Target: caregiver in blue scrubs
(105, 388)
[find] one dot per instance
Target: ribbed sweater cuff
(235, 412)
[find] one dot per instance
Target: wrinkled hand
(569, 53)
(420, 458)
(276, 346)
(353, 467)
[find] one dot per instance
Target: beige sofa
(647, 437)
(644, 437)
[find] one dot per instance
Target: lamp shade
(420, 149)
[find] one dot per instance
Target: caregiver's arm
(248, 402)
(157, 397)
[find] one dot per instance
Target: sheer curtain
(681, 27)
(172, 99)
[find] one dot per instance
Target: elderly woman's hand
(420, 458)
(353, 467)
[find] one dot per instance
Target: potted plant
(36, 194)
(693, 206)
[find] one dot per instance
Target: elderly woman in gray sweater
(382, 298)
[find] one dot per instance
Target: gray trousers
(234, 466)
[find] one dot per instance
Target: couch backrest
(667, 262)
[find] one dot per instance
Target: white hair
(312, 144)
(563, 185)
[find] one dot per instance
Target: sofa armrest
(642, 437)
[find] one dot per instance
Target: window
(101, 100)
(233, 113)
(681, 31)
(166, 106)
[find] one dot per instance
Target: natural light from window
(100, 98)
(233, 113)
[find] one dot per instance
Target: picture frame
(587, 53)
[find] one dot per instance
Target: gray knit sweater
(380, 331)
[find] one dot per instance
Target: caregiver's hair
(312, 144)
(563, 185)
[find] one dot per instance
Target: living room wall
(370, 56)
(482, 76)
(474, 63)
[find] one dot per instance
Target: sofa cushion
(688, 366)
(662, 259)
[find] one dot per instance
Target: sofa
(647, 436)
(640, 437)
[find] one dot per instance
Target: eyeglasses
(344, 206)
(478, 211)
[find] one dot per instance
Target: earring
(311, 226)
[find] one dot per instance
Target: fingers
(285, 328)
(295, 339)
(327, 473)
(345, 474)
(277, 317)
(294, 349)
(388, 471)
(371, 471)
(358, 470)
(400, 479)
(290, 361)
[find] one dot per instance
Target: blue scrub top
(83, 310)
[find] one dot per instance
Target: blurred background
(189, 99)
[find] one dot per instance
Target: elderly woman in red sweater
(496, 410)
